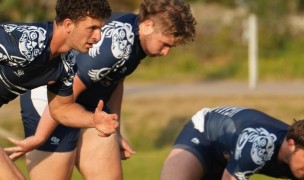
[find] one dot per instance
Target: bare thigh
(98, 157)
(181, 165)
(50, 165)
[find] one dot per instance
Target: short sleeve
(60, 89)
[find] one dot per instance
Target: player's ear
(148, 26)
(68, 24)
(291, 144)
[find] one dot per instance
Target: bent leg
(181, 165)
(8, 170)
(50, 165)
(98, 157)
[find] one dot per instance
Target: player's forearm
(65, 111)
(45, 126)
(74, 115)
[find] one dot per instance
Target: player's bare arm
(66, 112)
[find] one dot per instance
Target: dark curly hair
(78, 9)
(296, 132)
(174, 16)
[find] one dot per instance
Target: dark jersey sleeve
(66, 72)
(60, 89)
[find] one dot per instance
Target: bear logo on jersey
(262, 144)
(31, 44)
(121, 47)
(262, 148)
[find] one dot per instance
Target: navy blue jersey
(245, 141)
(115, 56)
(25, 63)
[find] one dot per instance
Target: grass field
(151, 123)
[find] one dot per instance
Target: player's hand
(126, 150)
(22, 146)
(105, 123)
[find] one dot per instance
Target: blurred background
(246, 53)
(221, 47)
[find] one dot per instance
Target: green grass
(145, 165)
(21, 165)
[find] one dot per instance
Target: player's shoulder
(27, 31)
(30, 38)
(21, 27)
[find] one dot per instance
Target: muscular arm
(47, 124)
(68, 113)
(65, 111)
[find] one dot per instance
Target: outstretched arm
(47, 124)
(45, 127)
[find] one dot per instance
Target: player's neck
(58, 43)
(284, 152)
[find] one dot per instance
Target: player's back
(224, 125)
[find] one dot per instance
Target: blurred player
(233, 143)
